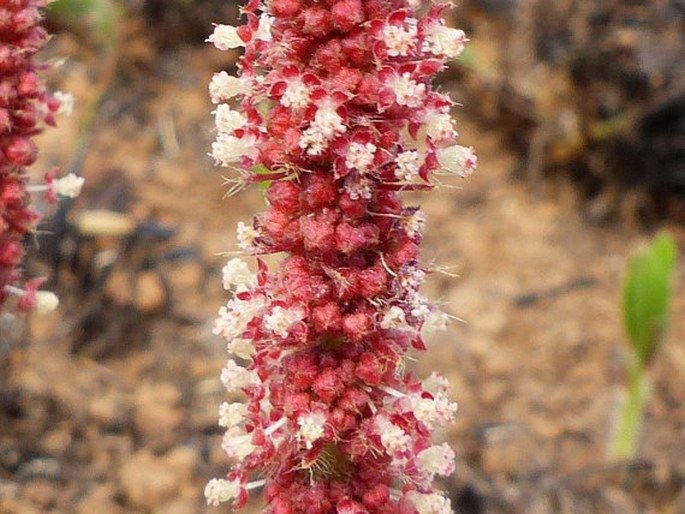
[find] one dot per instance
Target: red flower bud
(315, 21)
(285, 8)
(21, 151)
(24, 110)
(347, 14)
(327, 318)
(369, 369)
(327, 385)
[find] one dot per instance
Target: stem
(625, 440)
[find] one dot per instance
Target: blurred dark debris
(531, 298)
(171, 22)
(588, 92)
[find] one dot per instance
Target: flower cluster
(25, 106)
(338, 116)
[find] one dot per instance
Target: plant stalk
(625, 441)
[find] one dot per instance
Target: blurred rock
(105, 450)
(8, 490)
(151, 294)
(148, 481)
(42, 493)
(157, 414)
(57, 442)
(19, 507)
(619, 502)
(178, 506)
(100, 499)
(39, 468)
(110, 410)
(183, 460)
(507, 450)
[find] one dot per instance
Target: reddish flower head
(25, 107)
(337, 112)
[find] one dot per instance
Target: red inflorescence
(338, 115)
(25, 106)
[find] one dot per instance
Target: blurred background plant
(95, 19)
(97, 23)
(646, 313)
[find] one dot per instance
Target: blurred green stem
(625, 441)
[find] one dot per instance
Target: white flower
(237, 273)
(399, 40)
(443, 40)
(411, 278)
(228, 120)
(312, 427)
(46, 301)
(264, 28)
(394, 318)
(246, 235)
(435, 384)
(434, 321)
(237, 444)
(360, 156)
(219, 490)
(313, 141)
(240, 347)
(224, 87)
(228, 149)
(458, 160)
(231, 414)
(408, 165)
(326, 125)
(225, 37)
(235, 315)
(393, 438)
(440, 126)
(328, 121)
(228, 324)
(421, 307)
(407, 91)
(430, 503)
(280, 320)
(358, 187)
(236, 377)
(415, 224)
(435, 412)
(296, 95)
(66, 102)
(69, 186)
(436, 460)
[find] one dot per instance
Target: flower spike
(337, 116)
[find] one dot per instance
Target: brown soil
(109, 405)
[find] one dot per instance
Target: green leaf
(647, 296)
(265, 107)
(260, 169)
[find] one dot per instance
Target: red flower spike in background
(338, 114)
(25, 107)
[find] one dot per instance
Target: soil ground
(109, 405)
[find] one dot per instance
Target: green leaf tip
(647, 296)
